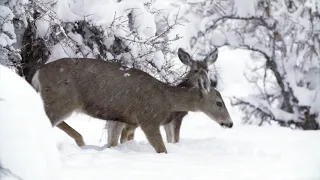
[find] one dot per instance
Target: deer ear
(204, 85)
(184, 57)
(212, 57)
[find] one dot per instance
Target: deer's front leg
(154, 137)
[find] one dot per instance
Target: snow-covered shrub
(8, 55)
(27, 146)
(125, 31)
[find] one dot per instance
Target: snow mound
(27, 146)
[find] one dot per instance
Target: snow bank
(27, 146)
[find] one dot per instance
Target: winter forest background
(282, 36)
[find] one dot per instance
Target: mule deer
(172, 129)
(110, 91)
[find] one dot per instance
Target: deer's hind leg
(72, 133)
(127, 133)
(58, 109)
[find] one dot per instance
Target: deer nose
(228, 125)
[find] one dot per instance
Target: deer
(172, 129)
(107, 90)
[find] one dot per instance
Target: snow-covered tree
(124, 31)
(12, 19)
(285, 34)
(135, 33)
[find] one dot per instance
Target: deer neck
(183, 99)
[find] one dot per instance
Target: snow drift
(27, 147)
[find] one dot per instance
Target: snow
(27, 147)
(64, 11)
(140, 17)
(313, 4)
(7, 35)
(245, 8)
(206, 151)
(218, 38)
(44, 26)
(104, 13)
(159, 59)
(191, 23)
(61, 51)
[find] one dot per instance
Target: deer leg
(60, 109)
(114, 130)
(127, 133)
(154, 137)
(131, 132)
(72, 133)
(130, 136)
(124, 134)
(176, 129)
(169, 127)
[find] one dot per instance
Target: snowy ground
(206, 151)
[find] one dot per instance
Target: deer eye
(196, 71)
(219, 104)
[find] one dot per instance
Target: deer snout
(228, 125)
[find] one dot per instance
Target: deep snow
(205, 152)
(27, 143)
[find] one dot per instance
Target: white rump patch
(35, 81)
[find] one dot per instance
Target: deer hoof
(80, 143)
